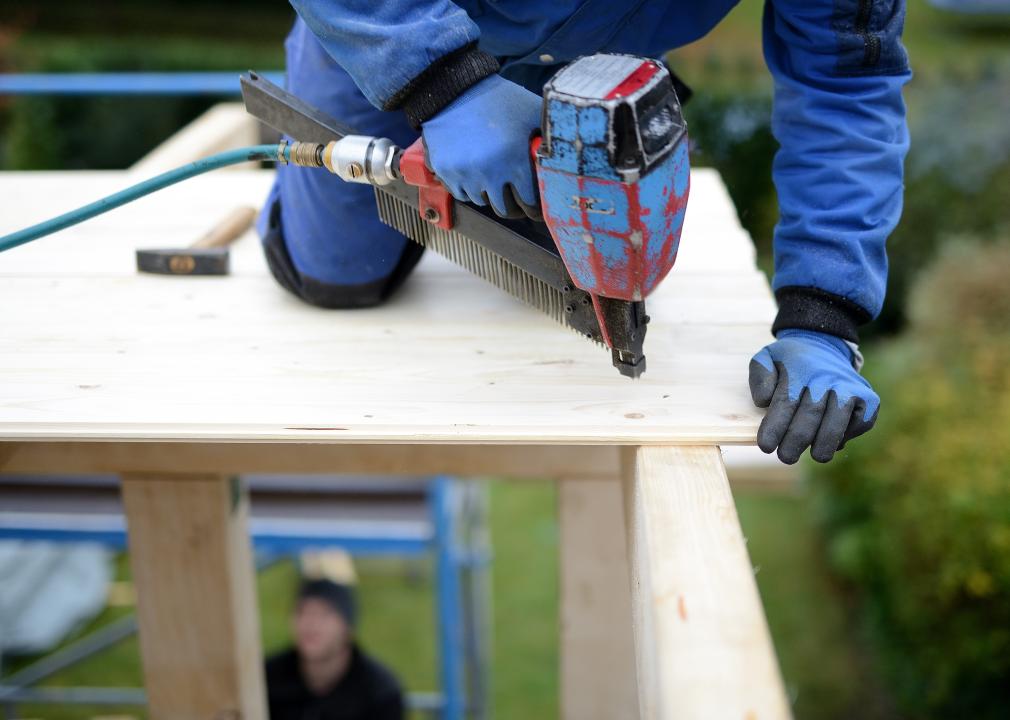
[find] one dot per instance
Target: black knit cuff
(442, 82)
(809, 308)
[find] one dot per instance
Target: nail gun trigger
(434, 202)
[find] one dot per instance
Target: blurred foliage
(524, 598)
(827, 673)
(957, 175)
(106, 132)
(958, 168)
(959, 165)
(917, 513)
(138, 18)
(732, 132)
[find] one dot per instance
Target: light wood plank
(95, 351)
(103, 246)
(185, 359)
(221, 127)
(526, 462)
(702, 644)
(535, 462)
(596, 646)
(193, 570)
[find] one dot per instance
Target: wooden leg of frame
(702, 645)
(597, 650)
(196, 596)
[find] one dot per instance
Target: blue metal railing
(127, 83)
(448, 609)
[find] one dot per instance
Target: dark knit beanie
(339, 597)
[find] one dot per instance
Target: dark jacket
(368, 691)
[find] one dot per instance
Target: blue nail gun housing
(614, 173)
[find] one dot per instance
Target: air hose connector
(363, 159)
(307, 154)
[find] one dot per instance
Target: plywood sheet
(91, 350)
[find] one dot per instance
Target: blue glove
(815, 396)
(479, 146)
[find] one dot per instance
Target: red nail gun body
(613, 174)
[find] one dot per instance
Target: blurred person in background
(326, 675)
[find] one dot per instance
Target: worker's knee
(323, 238)
(355, 286)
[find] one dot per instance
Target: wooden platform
(179, 382)
(97, 351)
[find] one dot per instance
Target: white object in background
(47, 590)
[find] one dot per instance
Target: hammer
(206, 256)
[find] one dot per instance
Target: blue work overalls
(838, 115)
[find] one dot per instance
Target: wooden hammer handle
(230, 229)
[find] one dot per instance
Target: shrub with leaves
(917, 513)
(107, 131)
(731, 131)
(957, 172)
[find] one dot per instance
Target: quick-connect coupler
(363, 159)
(353, 158)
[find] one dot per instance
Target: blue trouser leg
(323, 237)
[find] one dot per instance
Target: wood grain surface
(199, 625)
(90, 350)
(702, 645)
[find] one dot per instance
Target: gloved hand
(815, 396)
(478, 146)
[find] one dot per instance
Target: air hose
(303, 154)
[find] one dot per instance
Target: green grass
(525, 536)
(826, 671)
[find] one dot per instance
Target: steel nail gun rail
(612, 169)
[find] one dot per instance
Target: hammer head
(184, 261)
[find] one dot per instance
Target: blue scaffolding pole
(450, 617)
(127, 83)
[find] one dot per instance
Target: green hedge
(107, 132)
(917, 513)
(731, 131)
(957, 176)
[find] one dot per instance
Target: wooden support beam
(596, 648)
(193, 569)
(702, 645)
(514, 461)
